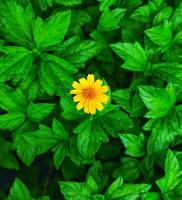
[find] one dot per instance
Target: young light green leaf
(134, 55)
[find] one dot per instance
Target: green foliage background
(130, 151)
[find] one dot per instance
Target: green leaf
(178, 38)
(42, 139)
(60, 152)
(44, 4)
(171, 72)
(134, 56)
(173, 174)
(98, 197)
(75, 191)
(51, 31)
(160, 35)
(128, 169)
(79, 52)
(7, 159)
(16, 23)
(130, 191)
(122, 98)
(164, 131)
(25, 151)
(176, 18)
(114, 186)
(39, 111)
(110, 20)
(69, 109)
(43, 198)
(89, 138)
(55, 74)
(19, 191)
(137, 107)
(92, 184)
(12, 100)
(115, 121)
(59, 130)
(151, 196)
(15, 61)
(163, 15)
(134, 144)
(159, 101)
(105, 4)
(144, 13)
(11, 121)
(68, 3)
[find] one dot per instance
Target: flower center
(89, 93)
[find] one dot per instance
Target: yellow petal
(75, 91)
(76, 85)
(83, 82)
(99, 106)
(92, 108)
(78, 97)
(98, 83)
(80, 105)
(90, 79)
(103, 89)
(86, 109)
(103, 98)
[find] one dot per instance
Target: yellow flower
(89, 94)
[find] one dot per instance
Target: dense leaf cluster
(129, 151)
